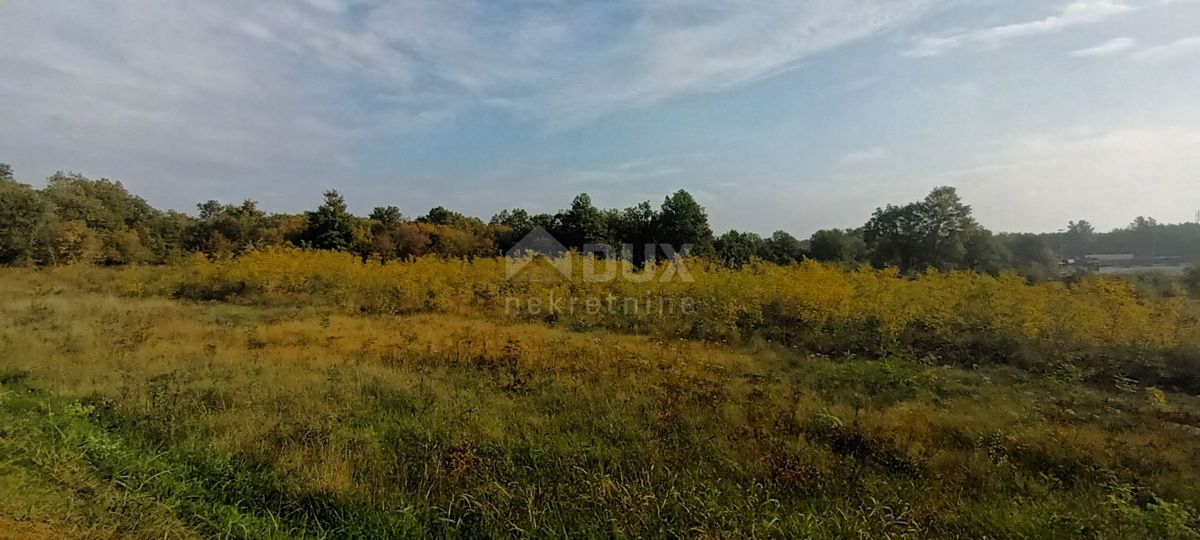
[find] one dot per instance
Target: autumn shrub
(1102, 326)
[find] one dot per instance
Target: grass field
(139, 415)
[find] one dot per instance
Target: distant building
(1111, 259)
(1123, 263)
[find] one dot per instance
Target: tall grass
(1101, 326)
(281, 418)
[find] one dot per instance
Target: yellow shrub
(962, 315)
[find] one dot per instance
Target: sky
(775, 114)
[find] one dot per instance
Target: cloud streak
(689, 46)
(867, 155)
(1108, 48)
(426, 102)
(1077, 13)
(1171, 51)
(302, 79)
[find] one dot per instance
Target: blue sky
(776, 114)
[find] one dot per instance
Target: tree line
(76, 219)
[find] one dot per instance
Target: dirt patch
(25, 530)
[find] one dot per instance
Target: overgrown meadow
(291, 393)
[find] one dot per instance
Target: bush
(1102, 326)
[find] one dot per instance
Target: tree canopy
(78, 219)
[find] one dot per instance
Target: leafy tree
(1081, 227)
(983, 252)
(408, 240)
(392, 237)
(124, 246)
(636, 228)
(510, 227)
(128, 227)
(1142, 223)
(386, 215)
(1145, 232)
(330, 226)
(1079, 238)
(362, 238)
(173, 231)
(455, 235)
(582, 224)
(23, 212)
(546, 221)
(927, 233)
(782, 248)
(895, 236)
(443, 216)
(226, 229)
(103, 204)
(210, 209)
(6, 172)
(837, 246)
(458, 241)
(946, 222)
(68, 242)
(682, 221)
(735, 249)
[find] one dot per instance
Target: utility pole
(1062, 234)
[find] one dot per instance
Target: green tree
(582, 224)
(1080, 227)
(456, 235)
(128, 227)
(103, 204)
(837, 246)
(330, 226)
(510, 227)
(946, 223)
(1079, 238)
(441, 215)
(931, 232)
(1141, 223)
(782, 249)
(735, 249)
(895, 236)
(23, 213)
(983, 252)
(635, 228)
(386, 215)
(682, 221)
(226, 229)
(1145, 231)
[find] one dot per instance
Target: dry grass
(148, 417)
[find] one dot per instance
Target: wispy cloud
(691, 45)
(640, 171)
(1076, 13)
(866, 155)
(1108, 48)
(277, 70)
(421, 101)
(1170, 51)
